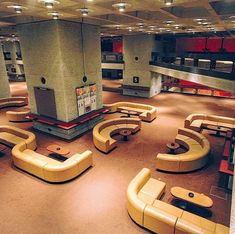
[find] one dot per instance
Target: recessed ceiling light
(84, 11)
(49, 3)
(121, 6)
(130, 29)
(140, 24)
(55, 15)
(89, 0)
(205, 23)
(168, 2)
(198, 20)
(168, 22)
(18, 8)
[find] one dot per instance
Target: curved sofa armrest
(193, 117)
(29, 137)
(135, 206)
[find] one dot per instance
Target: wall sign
(136, 79)
(86, 99)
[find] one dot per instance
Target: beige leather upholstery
(197, 122)
(13, 101)
(103, 132)
(17, 116)
(196, 156)
(25, 158)
(146, 112)
(147, 210)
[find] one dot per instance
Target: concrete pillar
(4, 87)
(55, 50)
(137, 78)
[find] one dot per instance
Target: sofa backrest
(192, 134)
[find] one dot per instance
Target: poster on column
(86, 99)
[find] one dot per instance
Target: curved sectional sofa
(147, 210)
(146, 112)
(197, 155)
(197, 122)
(13, 101)
(103, 132)
(48, 169)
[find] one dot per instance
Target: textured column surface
(137, 54)
(54, 50)
(4, 87)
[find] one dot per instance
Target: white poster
(86, 99)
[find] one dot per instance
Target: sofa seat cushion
(121, 126)
(226, 125)
(15, 102)
(4, 103)
(138, 110)
(10, 138)
(154, 188)
(185, 142)
(196, 123)
(146, 198)
(196, 148)
(221, 229)
(209, 123)
(168, 208)
(134, 127)
(108, 131)
(40, 157)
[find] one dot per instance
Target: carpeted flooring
(95, 202)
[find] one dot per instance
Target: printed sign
(86, 99)
(136, 79)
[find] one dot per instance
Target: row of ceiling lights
(49, 4)
(121, 6)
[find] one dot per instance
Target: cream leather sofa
(147, 210)
(103, 132)
(197, 155)
(146, 112)
(48, 169)
(13, 101)
(17, 116)
(197, 122)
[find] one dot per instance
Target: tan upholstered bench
(145, 208)
(48, 169)
(103, 132)
(146, 112)
(197, 122)
(196, 156)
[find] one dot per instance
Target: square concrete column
(61, 52)
(4, 87)
(137, 78)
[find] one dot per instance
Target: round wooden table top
(57, 149)
(190, 196)
(172, 146)
(125, 132)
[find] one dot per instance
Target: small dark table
(125, 134)
(172, 147)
